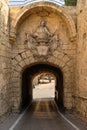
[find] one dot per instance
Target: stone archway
(43, 38)
(20, 65)
(28, 73)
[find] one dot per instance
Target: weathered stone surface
(43, 33)
(5, 60)
(49, 32)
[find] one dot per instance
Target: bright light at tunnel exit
(44, 88)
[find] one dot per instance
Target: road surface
(43, 115)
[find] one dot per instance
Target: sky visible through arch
(25, 2)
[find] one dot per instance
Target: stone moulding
(12, 36)
(54, 7)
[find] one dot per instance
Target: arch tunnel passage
(27, 76)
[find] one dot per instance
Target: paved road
(43, 115)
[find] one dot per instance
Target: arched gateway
(28, 75)
(44, 41)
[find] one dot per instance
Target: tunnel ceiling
(39, 68)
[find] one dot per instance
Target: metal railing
(25, 2)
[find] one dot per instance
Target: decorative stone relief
(42, 42)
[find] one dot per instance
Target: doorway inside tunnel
(41, 72)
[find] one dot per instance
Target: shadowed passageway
(43, 115)
(27, 79)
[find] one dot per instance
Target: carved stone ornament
(42, 42)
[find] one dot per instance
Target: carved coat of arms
(42, 42)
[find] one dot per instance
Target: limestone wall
(70, 55)
(25, 22)
(4, 58)
(74, 71)
(80, 97)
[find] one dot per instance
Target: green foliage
(70, 2)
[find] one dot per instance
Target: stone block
(28, 53)
(14, 62)
(23, 55)
(18, 68)
(22, 63)
(18, 58)
(27, 62)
